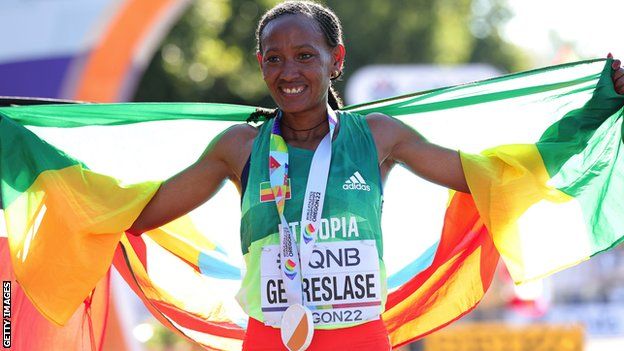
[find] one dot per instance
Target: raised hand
(618, 80)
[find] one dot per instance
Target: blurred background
(204, 51)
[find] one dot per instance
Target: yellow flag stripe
(63, 210)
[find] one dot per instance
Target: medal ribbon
(294, 257)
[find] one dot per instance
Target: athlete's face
(297, 63)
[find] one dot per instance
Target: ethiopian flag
(63, 221)
(553, 201)
(544, 200)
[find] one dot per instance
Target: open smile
(296, 90)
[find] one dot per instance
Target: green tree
(210, 53)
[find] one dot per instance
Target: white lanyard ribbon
(293, 257)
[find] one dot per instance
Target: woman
(300, 52)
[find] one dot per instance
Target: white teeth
(293, 90)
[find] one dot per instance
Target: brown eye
(305, 56)
(272, 59)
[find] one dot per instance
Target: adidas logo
(356, 182)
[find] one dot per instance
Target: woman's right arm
(224, 158)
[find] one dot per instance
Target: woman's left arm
(399, 143)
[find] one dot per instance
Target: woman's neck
(305, 130)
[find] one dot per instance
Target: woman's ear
(338, 55)
(259, 58)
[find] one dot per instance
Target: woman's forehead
(291, 30)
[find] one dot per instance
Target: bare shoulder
(237, 135)
(386, 131)
(390, 133)
(378, 120)
(237, 139)
(382, 128)
(233, 146)
(389, 128)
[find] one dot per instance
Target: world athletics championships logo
(307, 233)
(290, 269)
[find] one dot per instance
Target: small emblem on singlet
(356, 182)
(266, 194)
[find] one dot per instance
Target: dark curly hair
(329, 24)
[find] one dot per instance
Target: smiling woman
(299, 58)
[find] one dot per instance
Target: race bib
(341, 284)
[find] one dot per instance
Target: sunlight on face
(296, 63)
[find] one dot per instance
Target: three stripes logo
(356, 182)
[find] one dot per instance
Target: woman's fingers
(618, 83)
(618, 75)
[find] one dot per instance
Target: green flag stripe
(404, 109)
(80, 115)
(570, 135)
(392, 103)
(23, 156)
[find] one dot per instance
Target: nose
(290, 70)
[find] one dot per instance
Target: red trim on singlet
(370, 336)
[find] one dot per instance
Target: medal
(297, 327)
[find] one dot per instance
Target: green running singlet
(345, 282)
